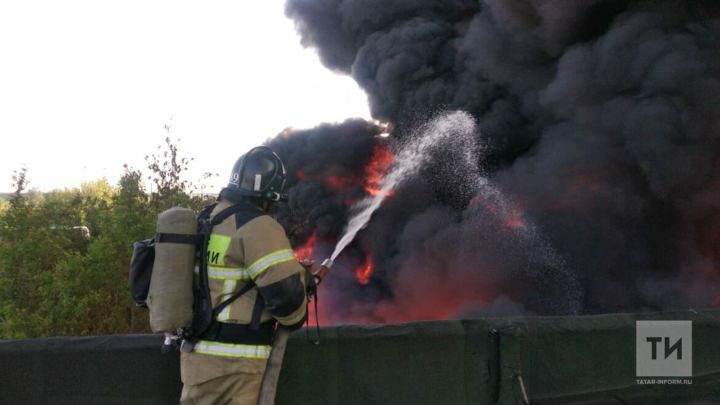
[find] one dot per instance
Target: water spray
(457, 128)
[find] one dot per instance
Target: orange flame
(370, 179)
(305, 251)
(364, 272)
(379, 164)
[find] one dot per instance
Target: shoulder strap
(244, 213)
(222, 215)
(247, 287)
(205, 213)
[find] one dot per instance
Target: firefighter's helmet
(259, 173)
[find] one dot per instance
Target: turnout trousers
(209, 379)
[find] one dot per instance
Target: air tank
(170, 298)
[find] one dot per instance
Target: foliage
(4, 205)
(64, 255)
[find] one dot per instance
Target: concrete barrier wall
(588, 359)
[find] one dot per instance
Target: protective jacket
(258, 253)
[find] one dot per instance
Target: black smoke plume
(599, 122)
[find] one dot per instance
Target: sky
(87, 86)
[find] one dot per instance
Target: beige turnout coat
(258, 250)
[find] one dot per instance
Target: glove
(310, 285)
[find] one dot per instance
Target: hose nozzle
(324, 268)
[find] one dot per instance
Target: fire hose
(268, 389)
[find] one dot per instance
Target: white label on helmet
(258, 180)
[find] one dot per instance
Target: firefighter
(249, 249)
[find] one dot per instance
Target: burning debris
(598, 126)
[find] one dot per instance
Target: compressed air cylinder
(170, 298)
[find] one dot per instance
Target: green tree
(64, 255)
(4, 205)
(31, 248)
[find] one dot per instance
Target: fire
(370, 179)
(514, 220)
(378, 166)
(340, 183)
(372, 176)
(305, 251)
(364, 272)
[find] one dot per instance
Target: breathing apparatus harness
(204, 323)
